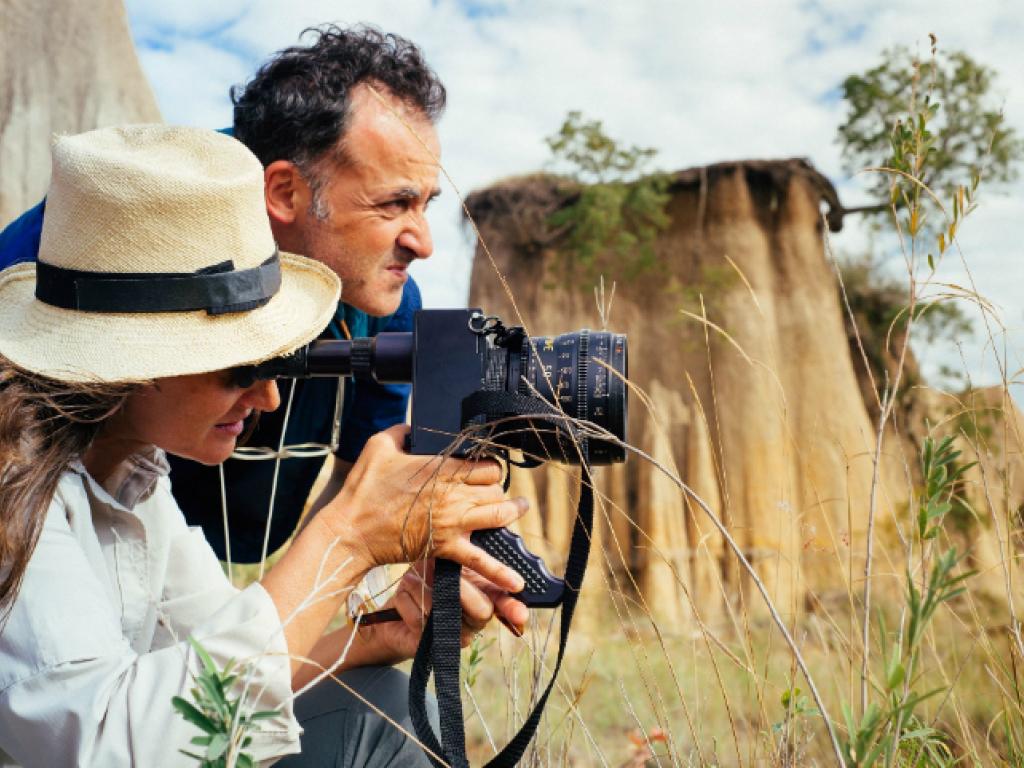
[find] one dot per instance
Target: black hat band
(218, 289)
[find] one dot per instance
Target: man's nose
(263, 395)
(415, 237)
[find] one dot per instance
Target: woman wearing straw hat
(157, 274)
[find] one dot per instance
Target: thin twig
(869, 550)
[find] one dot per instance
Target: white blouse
(96, 642)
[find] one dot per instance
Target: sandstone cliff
(64, 67)
(737, 338)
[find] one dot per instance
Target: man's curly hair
(296, 107)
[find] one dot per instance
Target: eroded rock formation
(64, 68)
(737, 338)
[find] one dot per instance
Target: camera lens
(456, 355)
(583, 374)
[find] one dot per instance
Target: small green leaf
(895, 676)
(961, 470)
(218, 746)
(214, 693)
(872, 756)
(265, 715)
(208, 665)
(193, 715)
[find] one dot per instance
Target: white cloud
(183, 17)
(191, 78)
(700, 82)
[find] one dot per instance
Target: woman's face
(198, 417)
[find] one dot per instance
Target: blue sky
(701, 82)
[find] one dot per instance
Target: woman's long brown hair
(44, 425)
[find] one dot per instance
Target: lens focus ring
(362, 359)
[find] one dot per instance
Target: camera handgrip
(542, 590)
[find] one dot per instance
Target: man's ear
(285, 191)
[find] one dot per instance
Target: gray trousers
(340, 731)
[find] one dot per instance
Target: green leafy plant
(941, 492)
(889, 729)
(970, 138)
(472, 664)
(788, 734)
(916, 154)
(612, 222)
(936, 127)
(226, 728)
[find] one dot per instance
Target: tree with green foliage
(612, 222)
(970, 138)
(936, 128)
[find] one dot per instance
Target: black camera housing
(459, 352)
(479, 388)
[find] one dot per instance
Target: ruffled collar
(134, 479)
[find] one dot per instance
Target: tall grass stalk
(911, 694)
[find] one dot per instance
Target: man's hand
(481, 602)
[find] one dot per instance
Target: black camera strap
(439, 650)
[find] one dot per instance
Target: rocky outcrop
(753, 399)
(64, 68)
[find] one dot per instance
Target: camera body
(480, 387)
(449, 365)
(460, 352)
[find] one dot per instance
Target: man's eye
(396, 206)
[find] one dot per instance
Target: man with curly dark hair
(344, 127)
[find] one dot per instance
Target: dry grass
(607, 701)
(633, 693)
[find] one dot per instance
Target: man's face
(375, 202)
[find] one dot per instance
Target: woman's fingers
(512, 611)
(474, 558)
(409, 608)
(481, 599)
(473, 472)
(400, 506)
(394, 436)
(483, 494)
(477, 607)
(412, 599)
(507, 609)
(496, 514)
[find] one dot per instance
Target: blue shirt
(20, 239)
(368, 408)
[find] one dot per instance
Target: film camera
(478, 385)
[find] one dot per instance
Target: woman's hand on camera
(395, 508)
(481, 601)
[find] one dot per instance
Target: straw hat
(157, 260)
